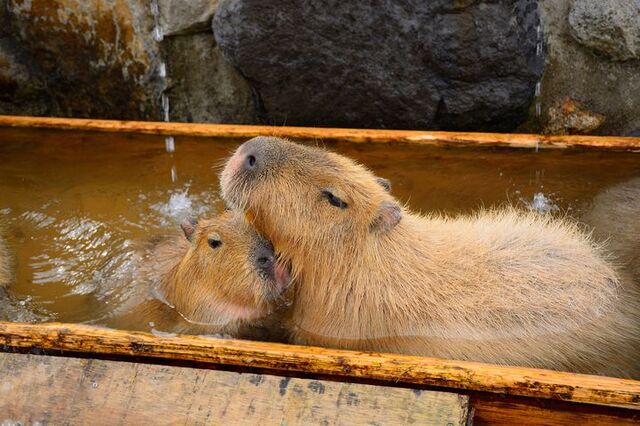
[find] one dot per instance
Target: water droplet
(165, 106)
(538, 87)
(169, 144)
(94, 385)
(155, 10)
(158, 34)
(174, 174)
(538, 109)
(162, 70)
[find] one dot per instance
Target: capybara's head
(229, 272)
(305, 196)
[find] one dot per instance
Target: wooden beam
(530, 141)
(394, 368)
(59, 390)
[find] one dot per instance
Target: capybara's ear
(387, 217)
(189, 227)
(385, 183)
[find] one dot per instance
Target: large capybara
(615, 218)
(220, 277)
(500, 286)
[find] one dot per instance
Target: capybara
(501, 286)
(220, 277)
(615, 218)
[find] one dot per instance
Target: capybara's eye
(333, 200)
(214, 243)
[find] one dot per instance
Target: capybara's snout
(249, 157)
(270, 268)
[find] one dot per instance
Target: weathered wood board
(287, 359)
(530, 141)
(57, 390)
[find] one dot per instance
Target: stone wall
(553, 66)
(591, 82)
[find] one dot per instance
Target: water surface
(74, 205)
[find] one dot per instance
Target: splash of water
(540, 203)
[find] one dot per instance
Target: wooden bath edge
(277, 357)
(513, 140)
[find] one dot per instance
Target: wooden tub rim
(283, 358)
(239, 131)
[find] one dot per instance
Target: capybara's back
(615, 218)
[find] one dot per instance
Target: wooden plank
(501, 411)
(530, 141)
(59, 390)
(341, 363)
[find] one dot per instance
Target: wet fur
(501, 286)
(615, 218)
(188, 287)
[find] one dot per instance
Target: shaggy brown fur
(191, 287)
(501, 286)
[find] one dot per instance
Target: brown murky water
(73, 205)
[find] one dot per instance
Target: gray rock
(186, 16)
(95, 57)
(608, 27)
(608, 88)
(398, 64)
(21, 92)
(204, 87)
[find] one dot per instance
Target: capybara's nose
(265, 258)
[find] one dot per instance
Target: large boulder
(606, 92)
(21, 92)
(204, 87)
(96, 57)
(179, 17)
(608, 27)
(405, 64)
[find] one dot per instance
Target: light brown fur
(501, 286)
(615, 218)
(189, 287)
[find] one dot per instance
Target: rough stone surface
(570, 117)
(403, 64)
(608, 27)
(21, 92)
(204, 87)
(601, 86)
(186, 16)
(96, 58)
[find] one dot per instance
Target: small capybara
(500, 286)
(220, 277)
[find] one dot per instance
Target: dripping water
(538, 89)
(158, 36)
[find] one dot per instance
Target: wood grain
(530, 141)
(507, 411)
(55, 390)
(339, 363)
